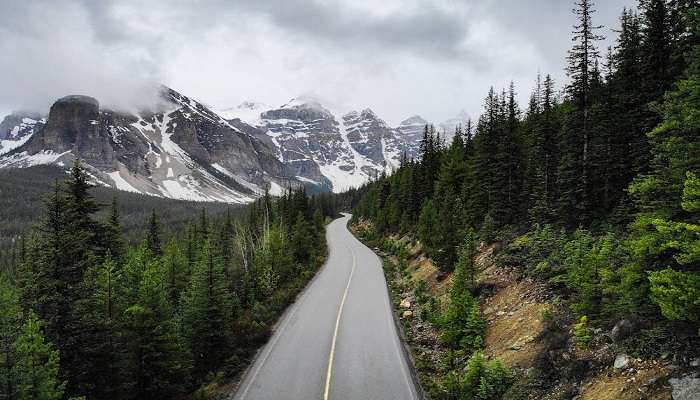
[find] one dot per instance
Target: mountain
(248, 112)
(17, 128)
(447, 128)
(328, 149)
(184, 151)
(411, 132)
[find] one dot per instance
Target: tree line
(594, 187)
(87, 316)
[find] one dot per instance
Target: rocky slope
(334, 150)
(183, 151)
(529, 327)
(187, 151)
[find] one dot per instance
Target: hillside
(24, 190)
(528, 326)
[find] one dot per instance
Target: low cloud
(399, 57)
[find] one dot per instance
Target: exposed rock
(622, 330)
(183, 151)
(686, 387)
(622, 362)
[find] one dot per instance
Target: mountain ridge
(186, 150)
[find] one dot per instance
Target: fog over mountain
(433, 58)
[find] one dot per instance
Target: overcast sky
(399, 57)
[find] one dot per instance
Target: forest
(593, 188)
(86, 314)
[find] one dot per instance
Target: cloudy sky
(399, 57)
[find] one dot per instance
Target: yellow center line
(326, 391)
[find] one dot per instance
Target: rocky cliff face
(335, 152)
(410, 133)
(184, 151)
(17, 128)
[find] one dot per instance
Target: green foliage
(481, 380)
(208, 311)
(462, 324)
(36, 370)
(10, 323)
(582, 332)
(150, 321)
(427, 227)
(677, 294)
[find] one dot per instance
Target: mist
(429, 57)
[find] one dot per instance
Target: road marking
(326, 391)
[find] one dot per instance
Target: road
(339, 340)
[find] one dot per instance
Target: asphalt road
(338, 341)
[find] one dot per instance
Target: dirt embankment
(528, 327)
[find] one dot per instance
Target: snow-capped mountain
(411, 132)
(17, 128)
(248, 112)
(447, 128)
(188, 151)
(184, 151)
(333, 151)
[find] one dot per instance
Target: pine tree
(544, 158)
(208, 312)
(10, 323)
(574, 168)
(302, 241)
(36, 370)
(665, 233)
(113, 232)
(427, 227)
(158, 365)
(462, 325)
(152, 239)
(177, 274)
(103, 348)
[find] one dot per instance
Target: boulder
(405, 304)
(622, 330)
(622, 362)
(407, 314)
(686, 387)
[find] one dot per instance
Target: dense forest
(594, 188)
(20, 202)
(86, 315)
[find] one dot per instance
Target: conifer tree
(36, 370)
(574, 169)
(176, 271)
(152, 239)
(10, 323)
(158, 366)
(208, 311)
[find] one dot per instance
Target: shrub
(482, 380)
(582, 332)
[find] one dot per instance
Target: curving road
(338, 341)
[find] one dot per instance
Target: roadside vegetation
(86, 315)
(592, 193)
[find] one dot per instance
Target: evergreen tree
(208, 312)
(36, 370)
(152, 239)
(574, 168)
(10, 323)
(176, 271)
(103, 350)
(158, 364)
(113, 232)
